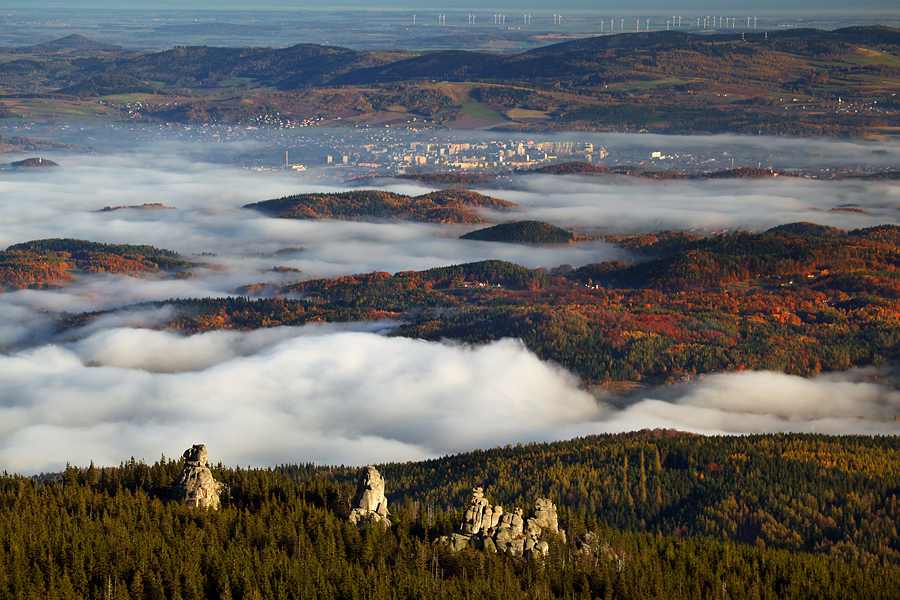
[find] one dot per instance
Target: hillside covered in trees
(800, 299)
(522, 232)
(788, 82)
(52, 262)
(443, 206)
(649, 515)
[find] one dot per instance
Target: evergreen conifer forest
(655, 514)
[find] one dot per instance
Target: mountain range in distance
(839, 83)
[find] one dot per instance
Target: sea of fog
(351, 393)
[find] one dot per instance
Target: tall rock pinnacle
(196, 486)
(369, 503)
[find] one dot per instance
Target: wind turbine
(601, 25)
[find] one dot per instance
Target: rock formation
(494, 530)
(369, 505)
(195, 485)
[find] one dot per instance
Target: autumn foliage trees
(442, 206)
(799, 299)
(51, 262)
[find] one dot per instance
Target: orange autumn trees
(50, 262)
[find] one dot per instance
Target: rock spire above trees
(369, 504)
(196, 486)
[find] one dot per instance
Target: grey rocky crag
(492, 529)
(369, 505)
(196, 486)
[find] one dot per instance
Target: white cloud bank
(346, 394)
(320, 394)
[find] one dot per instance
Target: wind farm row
(612, 24)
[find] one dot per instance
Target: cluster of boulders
(369, 505)
(489, 528)
(484, 526)
(196, 485)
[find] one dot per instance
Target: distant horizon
(574, 8)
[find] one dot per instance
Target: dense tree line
(52, 262)
(281, 533)
(75, 247)
(800, 299)
(522, 232)
(502, 97)
(829, 496)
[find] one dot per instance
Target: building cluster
(392, 153)
(371, 151)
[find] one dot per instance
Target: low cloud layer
(117, 388)
(622, 204)
(767, 402)
(348, 394)
(320, 394)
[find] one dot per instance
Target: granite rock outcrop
(196, 485)
(369, 505)
(490, 528)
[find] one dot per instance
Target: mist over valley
(507, 301)
(117, 384)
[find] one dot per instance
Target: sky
(352, 394)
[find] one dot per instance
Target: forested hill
(799, 82)
(52, 262)
(593, 59)
(879, 36)
(647, 516)
(800, 299)
(443, 206)
(810, 493)
(285, 68)
(522, 232)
